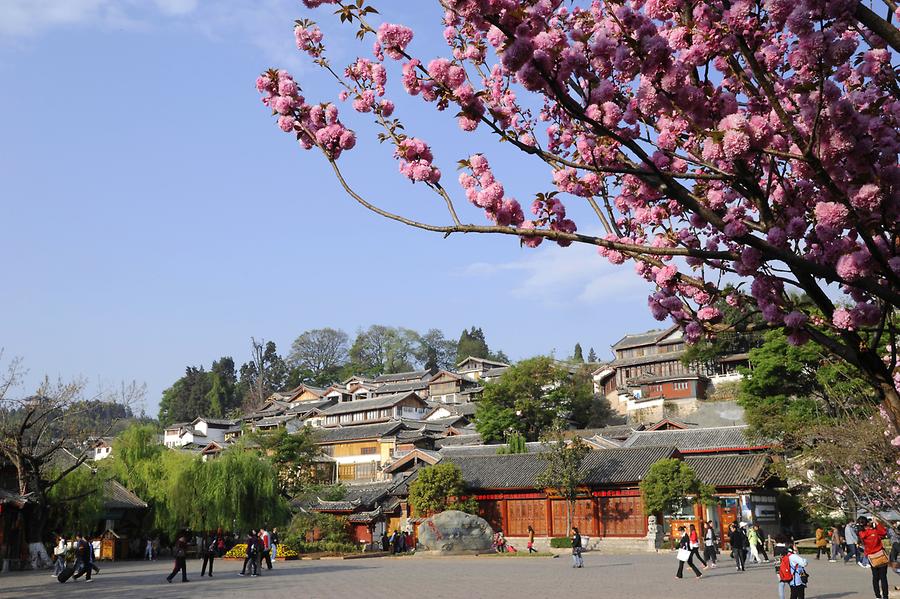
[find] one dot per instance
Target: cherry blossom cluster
(415, 160)
(314, 125)
(309, 39)
(483, 190)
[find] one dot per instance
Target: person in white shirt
(59, 555)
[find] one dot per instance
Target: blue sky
(153, 216)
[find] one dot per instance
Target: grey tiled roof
(361, 405)
(639, 339)
(674, 356)
(520, 471)
(485, 450)
(402, 376)
(400, 387)
(304, 407)
(745, 470)
(693, 439)
(115, 496)
(472, 439)
(358, 497)
(358, 432)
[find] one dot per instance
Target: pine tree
(578, 356)
(592, 356)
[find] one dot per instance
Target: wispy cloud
(263, 23)
(558, 277)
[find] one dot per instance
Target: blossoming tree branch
(739, 151)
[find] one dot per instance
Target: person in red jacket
(871, 535)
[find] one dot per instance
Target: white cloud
(262, 23)
(176, 7)
(558, 276)
(28, 17)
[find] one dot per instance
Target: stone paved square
(619, 576)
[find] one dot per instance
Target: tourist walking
(82, 558)
(209, 547)
(266, 546)
(685, 554)
(577, 560)
(695, 546)
(851, 540)
(274, 541)
(753, 544)
(710, 544)
(531, 548)
(837, 547)
(738, 541)
(91, 555)
(148, 550)
(821, 542)
(385, 542)
(792, 573)
(871, 535)
(761, 545)
(59, 556)
(250, 558)
(180, 552)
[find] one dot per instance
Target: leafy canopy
(669, 483)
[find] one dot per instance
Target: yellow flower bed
(240, 551)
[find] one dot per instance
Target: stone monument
(455, 532)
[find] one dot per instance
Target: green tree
(187, 398)
(790, 389)
(592, 356)
(669, 483)
(532, 397)
(318, 355)
(563, 473)
(515, 443)
(294, 457)
(76, 503)
(383, 350)
(438, 488)
(472, 343)
(577, 355)
(435, 351)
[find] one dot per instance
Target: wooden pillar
(548, 512)
(504, 516)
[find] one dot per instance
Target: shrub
(240, 551)
(309, 527)
(561, 543)
(322, 546)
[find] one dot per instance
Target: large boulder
(455, 532)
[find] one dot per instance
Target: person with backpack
(792, 574)
(577, 560)
(180, 552)
(210, 549)
(710, 542)
(872, 535)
